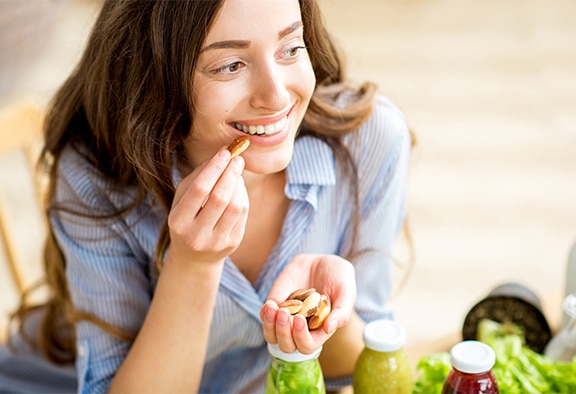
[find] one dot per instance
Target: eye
(231, 68)
(294, 51)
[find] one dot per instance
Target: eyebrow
(293, 27)
(242, 44)
(226, 44)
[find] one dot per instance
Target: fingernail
(299, 324)
(282, 318)
(224, 154)
(270, 313)
(332, 325)
(238, 164)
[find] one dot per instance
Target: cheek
(209, 101)
(209, 119)
(307, 81)
(214, 100)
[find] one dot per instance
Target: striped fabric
(111, 270)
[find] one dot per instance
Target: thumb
(336, 319)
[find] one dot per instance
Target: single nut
(310, 305)
(301, 294)
(317, 319)
(293, 306)
(239, 145)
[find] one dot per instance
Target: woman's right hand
(206, 222)
(209, 212)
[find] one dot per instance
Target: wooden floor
(489, 87)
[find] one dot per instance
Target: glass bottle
(295, 373)
(471, 372)
(383, 366)
(562, 347)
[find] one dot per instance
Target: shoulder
(80, 182)
(386, 126)
(383, 138)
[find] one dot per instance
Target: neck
(256, 183)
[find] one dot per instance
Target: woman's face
(253, 77)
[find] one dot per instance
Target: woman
(169, 256)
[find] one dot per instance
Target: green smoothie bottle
(383, 366)
(294, 373)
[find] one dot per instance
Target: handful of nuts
(315, 307)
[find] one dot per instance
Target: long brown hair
(129, 105)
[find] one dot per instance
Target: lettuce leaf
(431, 371)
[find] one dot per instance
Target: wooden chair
(22, 223)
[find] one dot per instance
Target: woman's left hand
(328, 274)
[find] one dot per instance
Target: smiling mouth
(267, 129)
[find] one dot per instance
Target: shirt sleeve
(383, 170)
(105, 267)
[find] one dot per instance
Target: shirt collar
(312, 163)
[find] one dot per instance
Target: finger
(336, 319)
(233, 218)
(237, 232)
(284, 331)
(303, 339)
(220, 197)
(343, 302)
(194, 190)
(268, 316)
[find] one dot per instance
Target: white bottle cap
(384, 335)
(472, 357)
(295, 357)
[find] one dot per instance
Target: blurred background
(489, 88)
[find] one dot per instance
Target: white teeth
(268, 129)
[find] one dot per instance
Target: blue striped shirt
(111, 269)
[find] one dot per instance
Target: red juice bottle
(471, 372)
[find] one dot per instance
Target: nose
(270, 90)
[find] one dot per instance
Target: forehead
(249, 19)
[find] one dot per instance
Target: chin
(267, 163)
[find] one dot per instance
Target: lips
(264, 129)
